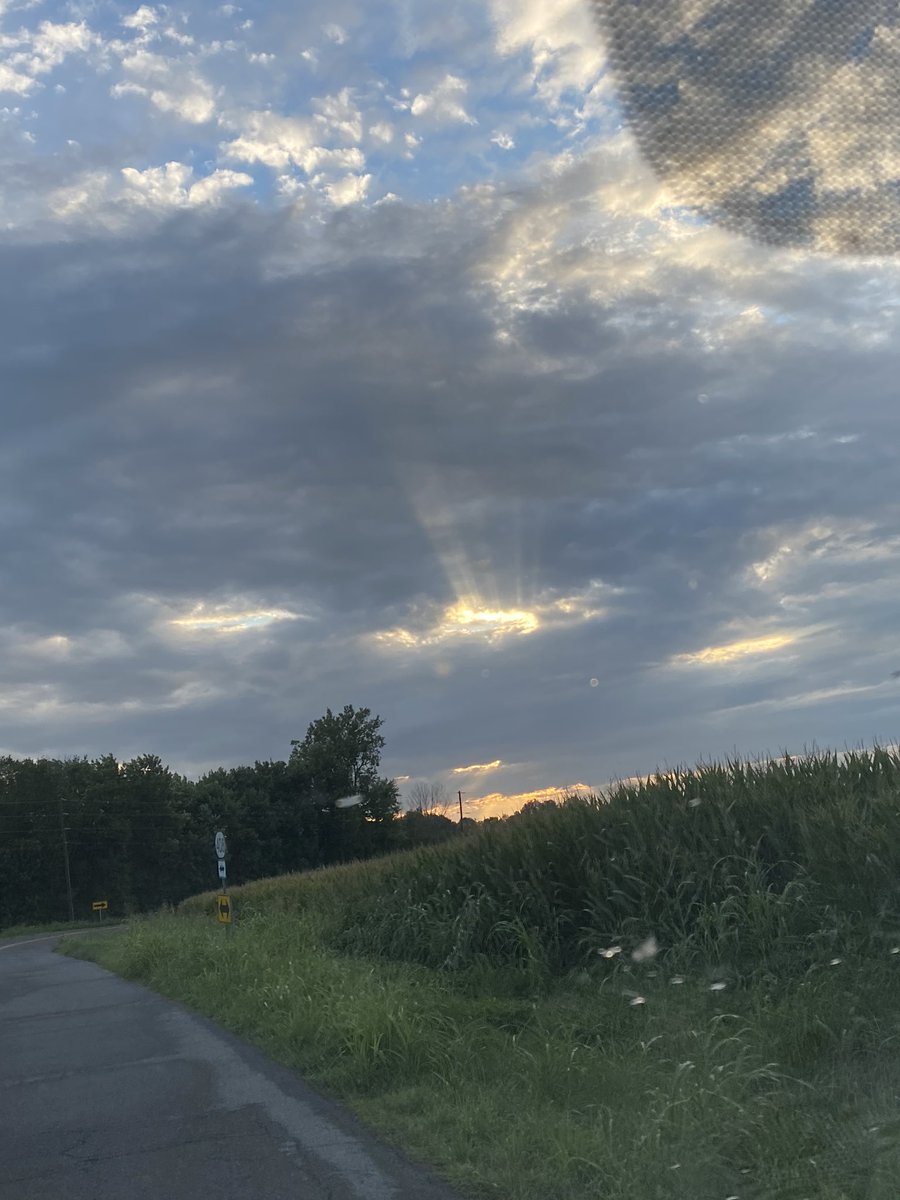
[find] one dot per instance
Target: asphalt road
(109, 1092)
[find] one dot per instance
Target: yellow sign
(223, 910)
(98, 904)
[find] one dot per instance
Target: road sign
(99, 904)
(223, 910)
(222, 868)
(220, 844)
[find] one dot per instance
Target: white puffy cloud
(273, 139)
(141, 19)
(280, 141)
(444, 103)
(109, 199)
(351, 189)
(171, 85)
(33, 53)
(561, 38)
(338, 115)
(382, 131)
(15, 81)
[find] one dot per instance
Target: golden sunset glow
(219, 621)
(497, 622)
(501, 804)
(479, 768)
(734, 651)
(473, 619)
(464, 620)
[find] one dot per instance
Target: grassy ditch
(685, 993)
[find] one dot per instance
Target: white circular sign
(220, 844)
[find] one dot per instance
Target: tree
(430, 798)
(381, 801)
(416, 828)
(368, 826)
(341, 753)
(150, 798)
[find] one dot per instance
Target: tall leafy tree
(341, 752)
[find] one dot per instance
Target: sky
(356, 355)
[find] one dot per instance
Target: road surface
(109, 1092)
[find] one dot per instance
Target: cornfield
(739, 863)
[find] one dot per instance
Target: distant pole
(65, 846)
(460, 807)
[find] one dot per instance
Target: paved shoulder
(110, 1092)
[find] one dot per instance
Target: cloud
(141, 19)
(382, 130)
(339, 116)
(351, 189)
(33, 53)
(229, 621)
(281, 142)
(561, 40)
(171, 86)
(173, 185)
(729, 652)
(15, 81)
(335, 33)
(479, 768)
(444, 103)
(471, 619)
(104, 200)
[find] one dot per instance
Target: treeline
(139, 835)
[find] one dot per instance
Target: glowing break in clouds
(219, 620)
(479, 768)
(473, 619)
(734, 651)
(461, 621)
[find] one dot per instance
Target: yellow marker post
(223, 910)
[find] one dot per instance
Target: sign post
(100, 907)
(223, 902)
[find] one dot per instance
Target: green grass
(455, 996)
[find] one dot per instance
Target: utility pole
(65, 845)
(460, 807)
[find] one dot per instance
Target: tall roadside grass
(744, 864)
